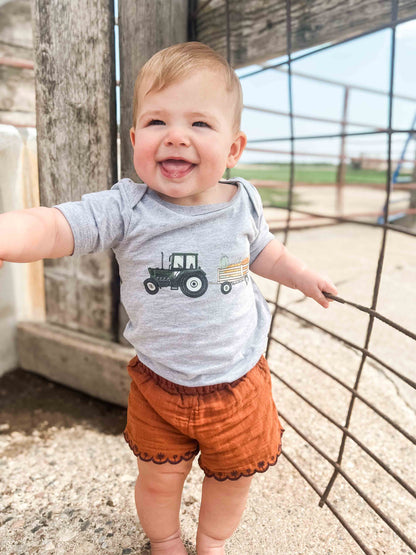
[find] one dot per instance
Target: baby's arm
(33, 234)
(275, 262)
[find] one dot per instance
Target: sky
(363, 62)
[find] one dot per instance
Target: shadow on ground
(29, 402)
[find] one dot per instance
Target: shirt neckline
(199, 208)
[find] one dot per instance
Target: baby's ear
(132, 136)
(236, 149)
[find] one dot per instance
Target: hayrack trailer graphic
(230, 274)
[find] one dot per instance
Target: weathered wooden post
(77, 137)
(76, 126)
(342, 166)
(145, 26)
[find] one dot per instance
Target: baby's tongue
(176, 167)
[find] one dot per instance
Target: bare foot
(172, 545)
(209, 546)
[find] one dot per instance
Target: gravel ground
(67, 479)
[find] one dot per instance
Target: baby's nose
(176, 137)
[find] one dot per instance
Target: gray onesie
(195, 315)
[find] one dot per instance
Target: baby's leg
(222, 506)
(158, 500)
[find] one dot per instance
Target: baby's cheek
(142, 157)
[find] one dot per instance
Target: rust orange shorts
(234, 425)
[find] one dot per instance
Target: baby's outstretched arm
(33, 234)
(275, 262)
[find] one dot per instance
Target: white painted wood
(21, 285)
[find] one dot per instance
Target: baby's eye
(156, 122)
(200, 124)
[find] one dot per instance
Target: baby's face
(184, 139)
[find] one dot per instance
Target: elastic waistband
(172, 387)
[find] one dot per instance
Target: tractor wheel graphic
(226, 287)
(194, 285)
(151, 286)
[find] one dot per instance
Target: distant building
(363, 163)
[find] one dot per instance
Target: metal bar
(343, 84)
(407, 380)
(281, 185)
(393, 424)
(357, 489)
(374, 314)
(314, 154)
(334, 136)
(409, 211)
(309, 118)
(345, 430)
(343, 220)
(16, 62)
(274, 151)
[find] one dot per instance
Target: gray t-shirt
(195, 315)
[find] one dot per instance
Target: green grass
(276, 197)
(304, 173)
(307, 173)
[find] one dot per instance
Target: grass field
(308, 173)
(304, 173)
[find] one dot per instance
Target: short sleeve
(262, 235)
(100, 221)
(263, 238)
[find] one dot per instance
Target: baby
(184, 240)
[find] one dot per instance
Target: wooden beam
(258, 28)
(76, 124)
(93, 366)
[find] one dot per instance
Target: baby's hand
(313, 285)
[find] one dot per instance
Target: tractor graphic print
(183, 273)
(230, 274)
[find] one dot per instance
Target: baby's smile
(175, 167)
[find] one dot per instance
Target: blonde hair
(178, 62)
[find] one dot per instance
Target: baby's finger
(320, 298)
(329, 287)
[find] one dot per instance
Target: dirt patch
(30, 403)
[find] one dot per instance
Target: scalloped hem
(261, 467)
(160, 458)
